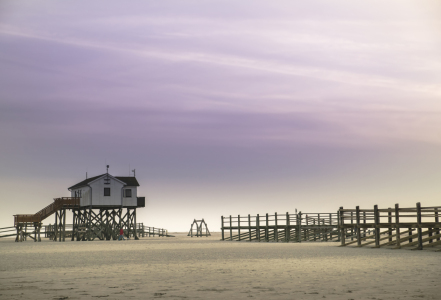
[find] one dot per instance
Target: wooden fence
(147, 231)
(282, 227)
(142, 231)
(8, 231)
(415, 227)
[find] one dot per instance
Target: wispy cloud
(241, 62)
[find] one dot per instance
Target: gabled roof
(129, 181)
(85, 182)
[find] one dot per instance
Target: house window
(128, 193)
(106, 191)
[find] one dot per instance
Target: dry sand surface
(206, 268)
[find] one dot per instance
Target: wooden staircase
(59, 203)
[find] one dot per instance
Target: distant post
(238, 226)
(419, 230)
(357, 215)
(342, 229)
(222, 227)
(397, 226)
(377, 226)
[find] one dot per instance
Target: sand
(207, 268)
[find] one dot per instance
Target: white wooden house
(108, 191)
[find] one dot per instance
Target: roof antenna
(107, 179)
(134, 174)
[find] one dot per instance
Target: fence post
(287, 230)
(330, 228)
(352, 226)
(222, 227)
(377, 226)
(437, 221)
(307, 229)
(389, 221)
(397, 226)
(364, 222)
(266, 229)
(276, 232)
(357, 215)
(258, 227)
(342, 229)
(231, 228)
(238, 226)
(419, 230)
(319, 229)
(299, 227)
(249, 227)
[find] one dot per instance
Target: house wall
(85, 195)
(96, 193)
(98, 197)
(132, 201)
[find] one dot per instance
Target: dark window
(106, 191)
(128, 193)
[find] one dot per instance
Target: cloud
(247, 62)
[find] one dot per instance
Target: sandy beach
(207, 268)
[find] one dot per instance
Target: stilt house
(108, 191)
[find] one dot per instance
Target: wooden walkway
(414, 228)
(142, 231)
(281, 227)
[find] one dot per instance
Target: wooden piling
(249, 227)
(377, 226)
(238, 226)
(258, 227)
(419, 230)
(437, 221)
(358, 226)
(266, 229)
(342, 230)
(389, 221)
(397, 226)
(222, 227)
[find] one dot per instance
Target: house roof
(128, 180)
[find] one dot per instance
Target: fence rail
(142, 231)
(417, 227)
(282, 227)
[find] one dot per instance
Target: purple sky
(223, 107)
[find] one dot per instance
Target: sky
(222, 107)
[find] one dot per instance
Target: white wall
(85, 195)
(96, 189)
(132, 201)
(98, 197)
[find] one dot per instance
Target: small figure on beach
(121, 235)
